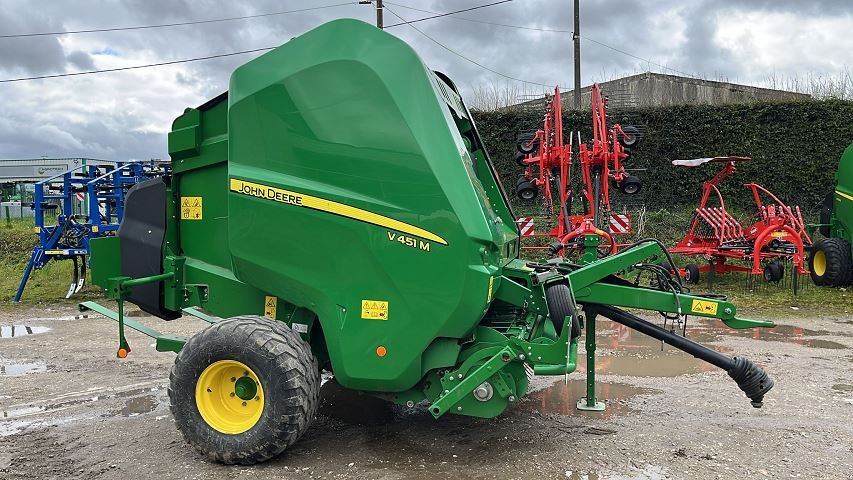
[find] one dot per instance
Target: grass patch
(46, 286)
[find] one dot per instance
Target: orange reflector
(122, 353)
(381, 351)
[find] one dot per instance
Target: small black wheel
(519, 158)
(526, 146)
(773, 272)
(692, 273)
(630, 137)
(631, 185)
(560, 306)
(831, 263)
(245, 389)
(826, 214)
(526, 191)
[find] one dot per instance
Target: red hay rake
(547, 162)
(778, 232)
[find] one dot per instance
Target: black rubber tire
(774, 272)
(560, 305)
(826, 214)
(692, 273)
(288, 373)
(631, 138)
(839, 263)
(522, 147)
(631, 185)
(526, 191)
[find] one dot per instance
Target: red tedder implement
(547, 162)
(778, 232)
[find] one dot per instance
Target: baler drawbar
(336, 210)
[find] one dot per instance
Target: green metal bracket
(118, 288)
(590, 403)
(164, 342)
(199, 314)
(470, 382)
(590, 249)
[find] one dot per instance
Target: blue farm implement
(88, 203)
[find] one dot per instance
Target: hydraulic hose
(751, 379)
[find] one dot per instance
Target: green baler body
(341, 187)
(841, 224)
(334, 175)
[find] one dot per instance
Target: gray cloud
(126, 114)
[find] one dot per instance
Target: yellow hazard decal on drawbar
(315, 203)
(270, 304)
(701, 306)
(190, 208)
(374, 310)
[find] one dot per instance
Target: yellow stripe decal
(848, 197)
(323, 205)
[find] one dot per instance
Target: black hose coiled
(751, 379)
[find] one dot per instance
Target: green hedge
(795, 147)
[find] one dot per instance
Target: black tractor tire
(526, 191)
(692, 273)
(522, 146)
(631, 138)
(826, 214)
(286, 371)
(560, 306)
(831, 263)
(631, 185)
(519, 158)
(774, 272)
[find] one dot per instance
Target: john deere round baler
(336, 210)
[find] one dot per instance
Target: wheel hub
(229, 397)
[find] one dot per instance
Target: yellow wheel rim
(229, 397)
(819, 263)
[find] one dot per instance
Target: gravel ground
(70, 409)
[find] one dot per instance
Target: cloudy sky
(125, 115)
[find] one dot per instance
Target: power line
(439, 15)
(647, 60)
(467, 19)
(209, 57)
(405, 22)
(135, 67)
(538, 29)
(177, 24)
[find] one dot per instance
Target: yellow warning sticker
(190, 208)
(270, 304)
(491, 285)
(702, 306)
(374, 310)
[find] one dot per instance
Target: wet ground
(70, 409)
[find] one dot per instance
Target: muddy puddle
(9, 331)
(622, 351)
(137, 406)
(16, 368)
(646, 472)
(779, 333)
(137, 401)
(562, 398)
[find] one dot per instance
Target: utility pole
(576, 36)
(379, 12)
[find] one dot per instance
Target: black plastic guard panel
(142, 233)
